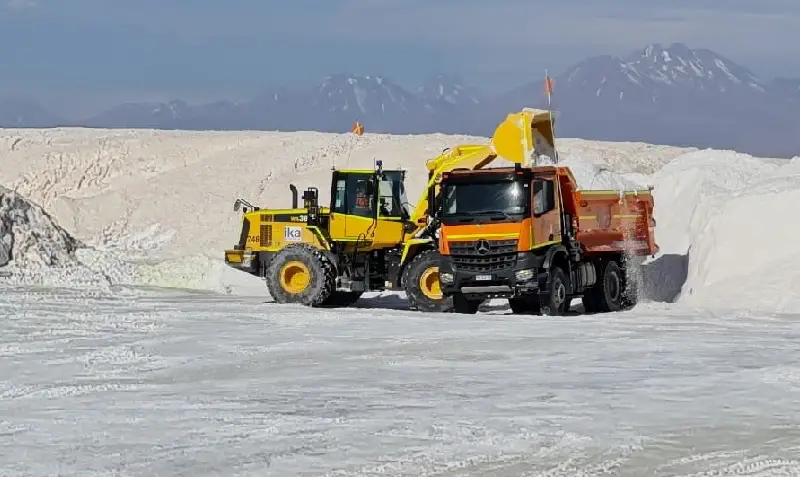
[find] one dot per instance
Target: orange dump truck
(529, 235)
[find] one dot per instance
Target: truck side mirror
(544, 197)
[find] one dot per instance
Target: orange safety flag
(548, 85)
(358, 129)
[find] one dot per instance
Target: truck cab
(496, 225)
(529, 235)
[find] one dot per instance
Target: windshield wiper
(495, 212)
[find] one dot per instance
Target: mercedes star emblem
(482, 247)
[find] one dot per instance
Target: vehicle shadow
(659, 281)
(662, 279)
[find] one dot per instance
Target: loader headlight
(523, 275)
(247, 259)
(446, 277)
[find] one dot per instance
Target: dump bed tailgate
(610, 220)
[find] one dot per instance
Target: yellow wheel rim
(429, 283)
(295, 277)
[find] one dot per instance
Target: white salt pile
(30, 237)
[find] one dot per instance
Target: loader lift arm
(517, 139)
(520, 138)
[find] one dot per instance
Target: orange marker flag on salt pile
(548, 85)
(358, 129)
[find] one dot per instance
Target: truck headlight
(446, 277)
(523, 275)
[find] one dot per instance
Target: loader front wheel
(300, 274)
(421, 282)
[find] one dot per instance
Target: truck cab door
(546, 211)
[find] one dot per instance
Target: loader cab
(368, 206)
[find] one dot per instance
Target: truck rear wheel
(555, 302)
(607, 294)
(421, 282)
(300, 274)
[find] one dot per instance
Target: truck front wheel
(555, 302)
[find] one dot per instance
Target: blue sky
(90, 53)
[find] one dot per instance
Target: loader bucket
(513, 139)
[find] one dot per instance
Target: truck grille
(266, 235)
(495, 255)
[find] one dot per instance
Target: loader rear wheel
(421, 282)
(300, 274)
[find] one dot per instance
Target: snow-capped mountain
(661, 94)
(364, 95)
(659, 73)
(448, 89)
(672, 95)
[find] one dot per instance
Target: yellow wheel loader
(367, 239)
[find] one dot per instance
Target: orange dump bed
(615, 221)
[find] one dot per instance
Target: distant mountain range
(666, 95)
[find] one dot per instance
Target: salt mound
(723, 231)
(155, 207)
(30, 237)
(36, 251)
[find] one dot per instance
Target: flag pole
(548, 89)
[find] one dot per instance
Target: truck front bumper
(522, 278)
(243, 260)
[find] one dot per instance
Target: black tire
(412, 274)
(589, 301)
(465, 306)
(340, 299)
(321, 283)
(607, 294)
(525, 305)
(557, 299)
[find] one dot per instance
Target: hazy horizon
(81, 56)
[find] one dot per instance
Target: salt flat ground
(148, 383)
(107, 377)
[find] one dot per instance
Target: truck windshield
(506, 200)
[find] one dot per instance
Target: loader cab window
(354, 195)
(392, 199)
